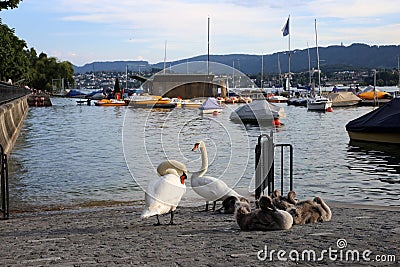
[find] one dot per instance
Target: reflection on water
(70, 154)
(378, 160)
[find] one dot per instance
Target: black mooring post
(4, 184)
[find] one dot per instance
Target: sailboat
(318, 102)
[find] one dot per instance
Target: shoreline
(112, 235)
(193, 203)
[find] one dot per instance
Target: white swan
(171, 164)
(210, 188)
(164, 194)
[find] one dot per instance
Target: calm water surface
(69, 154)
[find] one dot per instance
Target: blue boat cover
(210, 103)
(385, 119)
(74, 92)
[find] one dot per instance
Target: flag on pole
(285, 29)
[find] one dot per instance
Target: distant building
(183, 85)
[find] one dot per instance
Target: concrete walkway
(109, 236)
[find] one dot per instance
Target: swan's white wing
(211, 188)
(163, 195)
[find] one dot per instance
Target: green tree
(13, 61)
(45, 69)
(10, 4)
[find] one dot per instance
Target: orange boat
(111, 102)
(151, 101)
(368, 94)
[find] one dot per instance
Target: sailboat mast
(319, 71)
(208, 47)
(262, 71)
(279, 70)
(398, 69)
(126, 84)
(233, 74)
(165, 55)
(309, 64)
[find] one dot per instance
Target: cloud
(142, 27)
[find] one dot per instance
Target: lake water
(69, 154)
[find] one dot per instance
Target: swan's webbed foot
(171, 222)
(214, 204)
(206, 209)
(158, 222)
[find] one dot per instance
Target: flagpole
(288, 84)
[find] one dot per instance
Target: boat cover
(343, 97)
(74, 93)
(385, 119)
(210, 103)
(258, 110)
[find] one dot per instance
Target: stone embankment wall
(12, 115)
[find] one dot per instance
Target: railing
(265, 165)
(10, 92)
(4, 193)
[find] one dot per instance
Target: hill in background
(351, 57)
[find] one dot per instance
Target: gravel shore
(109, 236)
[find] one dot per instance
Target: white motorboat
(319, 103)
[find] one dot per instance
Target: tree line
(24, 66)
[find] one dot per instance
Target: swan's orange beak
(183, 178)
(196, 146)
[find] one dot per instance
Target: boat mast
(208, 47)
(316, 45)
(126, 84)
(398, 69)
(309, 65)
(279, 70)
(233, 74)
(262, 71)
(165, 55)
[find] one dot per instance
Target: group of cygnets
(275, 212)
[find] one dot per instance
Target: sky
(84, 31)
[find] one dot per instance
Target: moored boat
(277, 99)
(381, 125)
(344, 99)
(369, 93)
(177, 101)
(111, 102)
(319, 103)
(210, 106)
(191, 103)
(257, 112)
(295, 101)
(151, 101)
(74, 93)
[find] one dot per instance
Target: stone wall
(12, 115)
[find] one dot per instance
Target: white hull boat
(319, 103)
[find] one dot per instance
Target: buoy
(276, 122)
(329, 109)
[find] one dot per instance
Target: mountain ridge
(354, 56)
